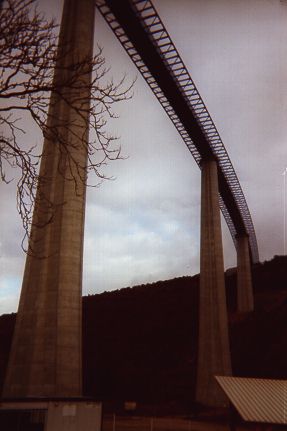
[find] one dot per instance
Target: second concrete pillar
(213, 349)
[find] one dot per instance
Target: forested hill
(140, 343)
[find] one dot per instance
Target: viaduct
(45, 358)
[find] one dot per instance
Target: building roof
(257, 400)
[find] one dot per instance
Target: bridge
(45, 355)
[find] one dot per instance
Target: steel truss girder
(141, 32)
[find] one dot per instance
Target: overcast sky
(144, 226)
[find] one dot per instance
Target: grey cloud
(145, 224)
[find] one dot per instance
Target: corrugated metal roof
(257, 400)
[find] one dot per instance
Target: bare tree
(28, 54)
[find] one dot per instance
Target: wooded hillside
(140, 343)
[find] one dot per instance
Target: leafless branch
(28, 54)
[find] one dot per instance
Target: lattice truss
(158, 35)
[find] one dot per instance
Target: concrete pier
(213, 350)
(45, 358)
(245, 300)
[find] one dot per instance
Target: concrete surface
(45, 358)
(213, 351)
(245, 299)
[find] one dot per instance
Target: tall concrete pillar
(245, 300)
(45, 358)
(213, 348)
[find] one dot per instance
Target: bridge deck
(143, 35)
